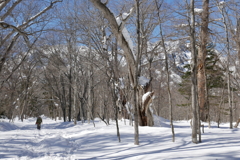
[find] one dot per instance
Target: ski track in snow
(64, 141)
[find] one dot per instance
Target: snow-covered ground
(62, 140)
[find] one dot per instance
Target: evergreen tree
(214, 74)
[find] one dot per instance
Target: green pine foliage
(214, 74)
(185, 86)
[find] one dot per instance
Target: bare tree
(12, 31)
(221, 6)
(129, 55)
(167, 70)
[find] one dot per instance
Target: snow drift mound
(5, 126)
(160, 122)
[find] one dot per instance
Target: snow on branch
(186, 25)
(222, 3)
(124, 17)
(198, 11)
(121, 21)
(145, 96)
(125, 32)
(146, 100)
(105, 2)
(123, 40)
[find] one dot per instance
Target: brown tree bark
(201, 74)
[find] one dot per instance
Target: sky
(66, 141)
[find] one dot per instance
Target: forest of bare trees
(132, 59)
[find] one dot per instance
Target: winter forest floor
(59, 140)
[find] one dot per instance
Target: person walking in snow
(39, 122)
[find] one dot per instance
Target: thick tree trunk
(90, 97)
(201, 78)
(64, 112)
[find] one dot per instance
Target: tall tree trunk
(136, 97)
(64, 112)
(89, 110)
(201, 78)
(115, 106)
(219, 107)
(116, 77)
(70, 93)
(63, 101)
(207, 104)
(238, 37)
(193, 75)
(222, 10)
(75, 98)
(25, 103)
(90, 87)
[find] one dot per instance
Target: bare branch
(40, 13)
(5, 25)
(9, 11)
(3, 3)
(119, 35)
(4, 56)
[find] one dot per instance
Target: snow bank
(63, 140)
(6, 126)
(160, 122)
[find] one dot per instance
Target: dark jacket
(39, 120)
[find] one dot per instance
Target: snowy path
(28, 143)
(59, 140)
